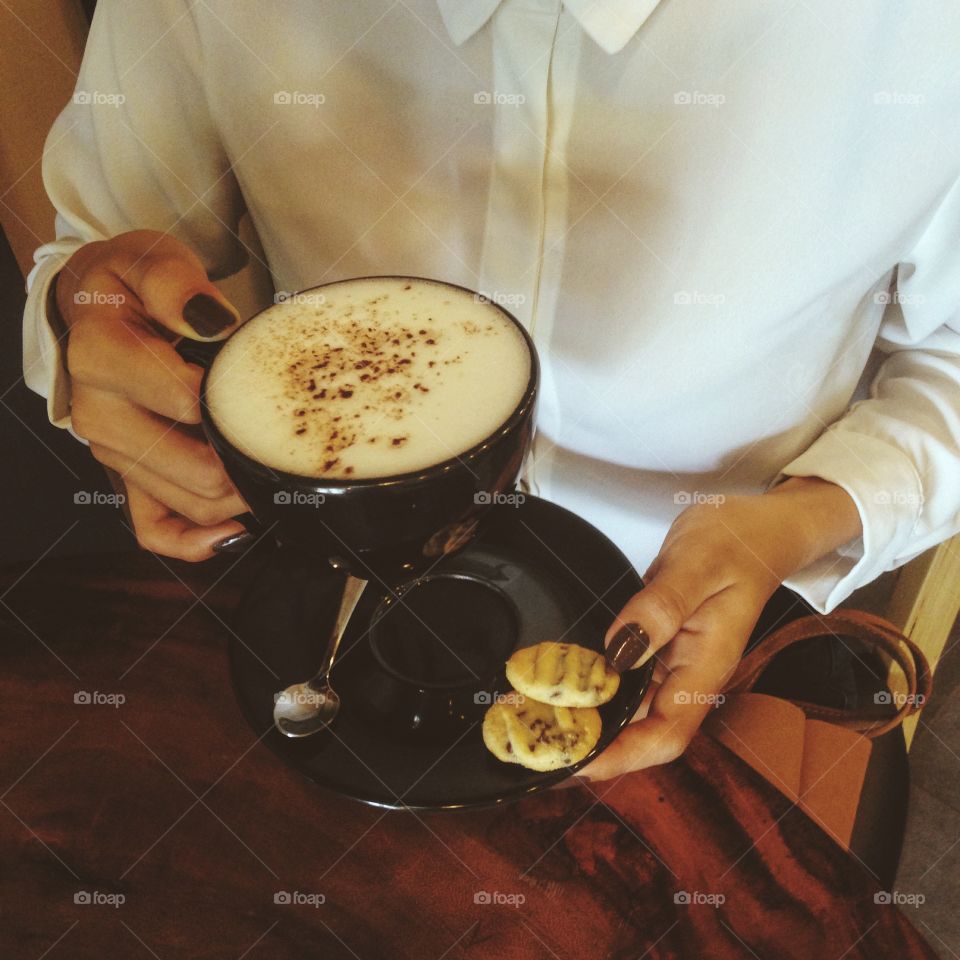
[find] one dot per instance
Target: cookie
(540, 736)
(562, 674)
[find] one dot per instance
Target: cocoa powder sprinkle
(379, 350)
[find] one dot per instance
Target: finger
(201, 510)
(133, 435)
(117, 353)
(687, 694)
(159, 530)
(584, 774)
(172, 284)
(654, 616)
(660, 672)
(673, 718)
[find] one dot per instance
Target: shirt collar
(609, 23)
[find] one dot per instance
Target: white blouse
(733, 229)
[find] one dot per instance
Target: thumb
(654, 616)
(172, 284)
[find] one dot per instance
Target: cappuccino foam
(368, 378)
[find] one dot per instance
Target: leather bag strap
(877, 634)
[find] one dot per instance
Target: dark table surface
(156, 804)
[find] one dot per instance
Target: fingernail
(207, 315)
(235, 543)
(626, 648)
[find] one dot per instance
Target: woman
(714, 224)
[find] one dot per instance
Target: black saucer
(418, 668)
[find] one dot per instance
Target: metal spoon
(306, 708)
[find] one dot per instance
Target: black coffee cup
(388, 528)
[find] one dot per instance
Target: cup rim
(425, 474)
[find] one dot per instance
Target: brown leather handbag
(818, 755)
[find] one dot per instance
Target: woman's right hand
(124, 301)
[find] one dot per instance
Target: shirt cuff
(886, 488)
(44, 342)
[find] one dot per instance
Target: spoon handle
(352, 590)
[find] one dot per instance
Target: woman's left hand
(718, 566)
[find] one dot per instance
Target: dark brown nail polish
(235, 543)
(207, 315)
(628, 645)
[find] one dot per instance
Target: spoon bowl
(302, 710)
(306, 708)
